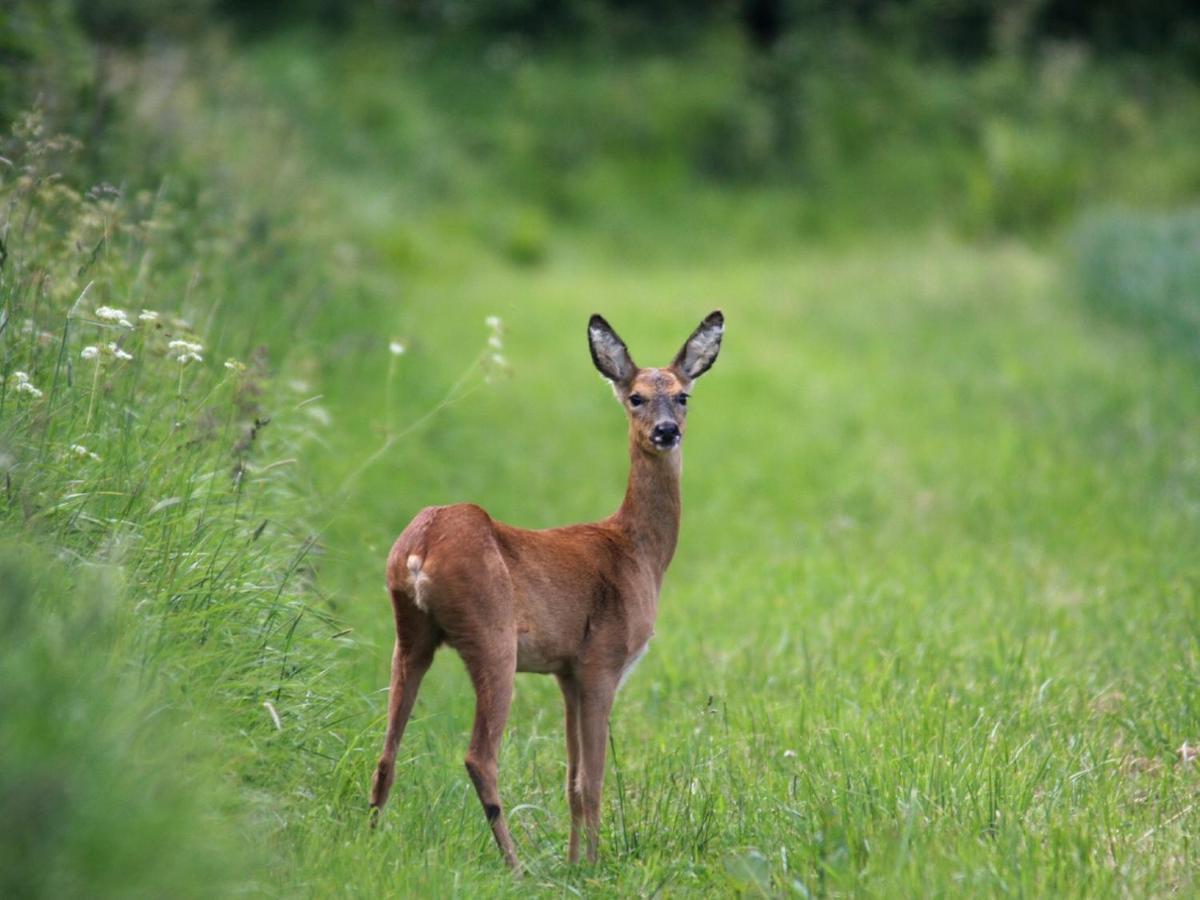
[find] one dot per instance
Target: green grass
(931, 629)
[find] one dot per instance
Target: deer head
(655, 400)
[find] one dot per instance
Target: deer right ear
(609, 352)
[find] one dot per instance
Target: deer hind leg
(594, 708)
(416, 640)
(492, 674)
(570, 692)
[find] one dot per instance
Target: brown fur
(577, 602)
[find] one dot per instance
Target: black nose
(666, 433)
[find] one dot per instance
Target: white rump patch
(419, 581)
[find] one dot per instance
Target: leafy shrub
(133, 21)
(526, 237)
(1144, 268)
(846, 132)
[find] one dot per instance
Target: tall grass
(132, 448)
(107, 787)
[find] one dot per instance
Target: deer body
(577, 602)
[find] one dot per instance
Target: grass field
(931, 626)
(931, 629)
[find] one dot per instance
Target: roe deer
(577, 602)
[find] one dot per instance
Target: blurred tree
(134, 21)
(763, 20)
(1170, 27)
(961, 30)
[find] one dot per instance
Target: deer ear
(609, 352)
(700, 351)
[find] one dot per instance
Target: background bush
(1144, 269)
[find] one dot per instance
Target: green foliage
(955, 30)
(135, 21)
(824, 136)
(931, 626)
(525, 238)
(1144, 269)
(150, 469)
(45, 56)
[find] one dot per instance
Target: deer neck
(651, 509)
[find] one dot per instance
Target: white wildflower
(118, 352)
(24, 386)
(83, 452)
(91, 351)
(148, 315)
(397, 348)
(495, 341)
(789, 754)
(234, 366)
(112, 314)
(191, 351)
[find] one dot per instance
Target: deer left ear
(700, 350)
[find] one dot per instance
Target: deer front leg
(595, 705)
(492, 675)
(570, 692)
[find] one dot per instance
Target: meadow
(932, 626)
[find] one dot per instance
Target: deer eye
(636, 399)
(681, 399)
